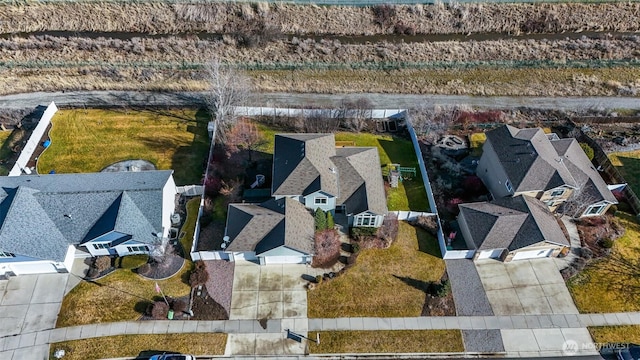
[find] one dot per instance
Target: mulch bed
(220, 283)
(171, 265)
(205, 308)
(439, 306)
(210, 237)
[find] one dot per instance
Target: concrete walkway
(546, 329)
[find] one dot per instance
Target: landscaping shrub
(360, 231)
(384, 15)
(178, 305)
(389, 229)
(331, 223)
(452, 205)
(144, 269)
(428, 223)
(443, 289)
(472, 184)
(326, 248)
(320, 220)
(199, 275)
(588, 150)
(159, 310)
(606, 243)
(102, 263)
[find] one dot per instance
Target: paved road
(381, 101)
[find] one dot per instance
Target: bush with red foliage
(389, 229)
(452, 205)
(428, 223)
(473, 184)
(159, 310)
(480, 117)
(327, 248)
(212, 185)
(199, 275)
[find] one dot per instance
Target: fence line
(34, 140)
(325, 113)
(411, 215)
(427, 183)
(602, 160)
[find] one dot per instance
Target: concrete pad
(559, 321)
(41, 317)
(517, 340)
(241, 344)
(197, 326)
(535, 306)
(245, 326)
(146, 327)
(132, 327)
(384, 324)
(316, 324)
(505, 302)
(410, 324)
(465, 322)
(88, 331)
(42, 338)
(292, 277)
(27, 340)
(521, 273)
(451, 322)
(505, 322)
(519, 322)
(398, 323)
(549, 339)
(354, 323)
(302, 325)
(297, 307)
(246, 278)
(438, 323)
(343, 324)
(12, 319)
(493, 275)
(40, 352)
(581, 337)
(369, 324)
(545, 321)
(176, 327)
(270, 279)
(19, 289)
(624, 319)
(161, 327)
(332, 324)
(546, 271)
(573, 321)
(244, 305)
(270, 305)
(12, 342)
(492, 322)
(477, 322)
(231, 327)
(561, 302)
(57, 335)
(120, 328)
(49, 288)
(73, 333)
(6, 354)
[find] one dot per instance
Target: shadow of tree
(622, 276)
(427, 243)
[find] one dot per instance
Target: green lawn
(612, 284)
(387, 341)
(628, 163)
(89, 140)
(123, 295)
(5, 152)
(616, 334)
(141, 345)
(378, 284)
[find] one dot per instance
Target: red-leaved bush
(327, 248)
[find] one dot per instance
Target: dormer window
(320, 200)
(101, 246)
(507, 184)
(558, 192)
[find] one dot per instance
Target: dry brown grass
(134, 345)
(158, 17)
(477, 81)
(616, 334)
(398, 341)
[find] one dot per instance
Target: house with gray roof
(511, 228)
(309, 172)
(556, 171)
(48, 220)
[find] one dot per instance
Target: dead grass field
(89, 140)
(398, 341)
(143, 345)
(378, 284)
(616, 334)
(167, 18)
(481, 81)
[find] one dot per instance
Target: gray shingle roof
(274, 223)
(583, 170)
(511, 223)
(360, 178)
(529, 159)
(47, 213)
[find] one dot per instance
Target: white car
(172, 357)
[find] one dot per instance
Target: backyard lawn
(378, 284)
(123, 295)
(141, 345)
(89, 140)
(628, 163)
(389, 341)
(612, 284)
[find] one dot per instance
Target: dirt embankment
(166, 18)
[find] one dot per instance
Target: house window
(138, 248)
(508, 186)
(365, 220)
(4, 254)
(100, 246)
(320, 200)
(596, 209)
(558, 192)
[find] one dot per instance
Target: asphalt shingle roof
(47, 213)
(274, 223)
(511, 223)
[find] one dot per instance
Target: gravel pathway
(468, 293)
(482, 340)
(220, 283)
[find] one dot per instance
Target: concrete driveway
(268, 292)
(525, 287)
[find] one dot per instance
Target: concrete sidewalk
(546, 329)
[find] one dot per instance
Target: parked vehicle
(172, 357)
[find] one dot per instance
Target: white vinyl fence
(328, 113)
(33, 141)
(411, 215)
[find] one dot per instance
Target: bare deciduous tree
(245, 136)
(228, 88)
(577, 202)
(317, 123)
(357, 114)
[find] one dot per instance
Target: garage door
(532, 254)
(490, 254)
(284, 259)
(249, 256)
(33, 268)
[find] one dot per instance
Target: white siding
(532, 254)
(310, 201)
(489, 254)
(168, 204)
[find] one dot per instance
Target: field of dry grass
(398, 341)
(166, 18)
